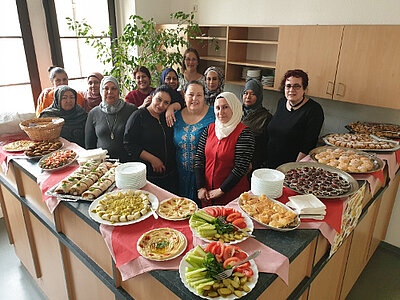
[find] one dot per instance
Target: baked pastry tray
(66, 197)
(395, 148)
(378, 163)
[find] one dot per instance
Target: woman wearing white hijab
(224, 154)
(105, 125)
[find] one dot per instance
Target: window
(15, 86)
(80, 59)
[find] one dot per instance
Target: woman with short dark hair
(140, 96)
(296, 124)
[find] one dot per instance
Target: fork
(222, 219)
(227, 273)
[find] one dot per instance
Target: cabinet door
(315, 50)
(369, 66)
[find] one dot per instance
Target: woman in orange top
(58, 77)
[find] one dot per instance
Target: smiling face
(160, 102)
(191, 62)
(194, 97)
(68, 100)
(212, 80)
(110, 93)
(94, 85)
(223, 111)
(142, 81)
(172, 80)
(294, 90)
(60, 79)
(249, 98)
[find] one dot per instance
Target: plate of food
(18, 146)
(269, 212)
(199, 266)
(88, 182)
(123, 207)
(57, 160)
(383, 130)
(348, 160)
(176, 208)
(39, 149)
(161, 244)
(361, 141)
(206, 225)
(321, 180)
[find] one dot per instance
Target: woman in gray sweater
(105, 124)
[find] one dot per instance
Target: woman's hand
(157, 165)
(146, 101)
(215, 193)
(204, 197)
(170, 116)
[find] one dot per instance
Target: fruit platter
(199, 267)
(217, 223)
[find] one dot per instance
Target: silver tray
(378, 163)
(40, 156)
(73, 198)
(294, 165)
(397, 147)
(396, 134)
(58, 168)
(271, 227)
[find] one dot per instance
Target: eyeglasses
(191, 59)
(295, 86)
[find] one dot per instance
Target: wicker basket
(42, 129)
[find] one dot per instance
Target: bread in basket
(43, 129)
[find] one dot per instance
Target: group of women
(196, 140)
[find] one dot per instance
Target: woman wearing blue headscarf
(256, 117)
(170, 78)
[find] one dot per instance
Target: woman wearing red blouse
(140, 97)
(224, 154)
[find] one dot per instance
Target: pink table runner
(122, 240)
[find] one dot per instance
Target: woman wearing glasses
(190, 67)
(295, 127)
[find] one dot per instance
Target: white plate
(161, 216)
(17, 150)
(153, 200)
(172, 257)
(59, 168)
(182, 272)
(248, 221)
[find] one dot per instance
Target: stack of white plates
(268, 182)
(267, 80)
(253, 73)
(130, 175)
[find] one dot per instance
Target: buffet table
(65, 252)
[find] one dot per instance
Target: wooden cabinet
(211, 45)
(369, 66)
(314, 49)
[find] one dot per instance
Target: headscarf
(210, 96)
(223, 130)
(110, 108)
(176, 96)
(76, 114)
(256, 87)
(92, 100)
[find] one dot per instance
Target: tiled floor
(379, 280)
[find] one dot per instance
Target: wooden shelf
(255, 63)
(243, 82)
(208, 38)
(258, 42)
(213, 58)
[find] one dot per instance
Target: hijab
(92, 100)
(76, 114)
(210, 96)
(110, 109)
(175, 95)
(256, 87)
(223, 130)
